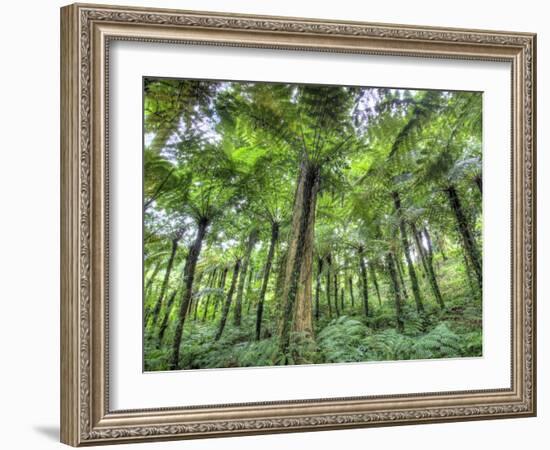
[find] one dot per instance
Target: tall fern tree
(311, 126)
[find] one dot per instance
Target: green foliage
(441, 342)
(472, 344)
(342, 340)
(231, 154)
(157, 359)
(388, 345)
(415, 323)
(302, 350)
(383, 319)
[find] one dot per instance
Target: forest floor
(455, 331)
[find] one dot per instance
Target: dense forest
(305, 224)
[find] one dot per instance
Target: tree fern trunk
(428, 239)
(428, 266)
(405, 243)
(318, 287)
(467, 236)
(468, 271)
(198, 300)
(399, 267)
(195, 299)
(189, 277)
(363, 272)
(297, 295)
(249, 298)
(329, 267)
(265, 280)
(351, 296)
(375, 282)
(166, 318)
(252, 238)
(148, 286)
(335, 281)
(210, 286)
(229, 298)
(396, 291)
(220, 294)
(279, 285)
(479, 183)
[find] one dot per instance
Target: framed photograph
(274, 224)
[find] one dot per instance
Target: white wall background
(29, 226)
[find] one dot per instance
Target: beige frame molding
(86, 31)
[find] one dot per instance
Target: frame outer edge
(533, 168)
(79, 425)
(69, 338)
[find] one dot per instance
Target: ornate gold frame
(86, 31)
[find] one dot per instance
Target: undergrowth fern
(341, 340)
(441, 342)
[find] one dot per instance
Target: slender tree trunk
(198, 299)
(220, 294)
(229, 298)
(375, 282)
(251, 242)
(419, 248)
(351, 296)
(265, 279)
(479, 183)
(472, 283)
(149, 283)
(196, 308)
(405, 243)
(396, 291)
(469, 273)
(467, 236)
(165, 281)
(195, 299)
(335, 281)
(166, 318)
(428, 266)
(279, 285)
(190, 307)
(342, 296)
(419, 257)
(428, 239)
(297, 295)
(249, 297)
(210, 285)
(363, 272)
(329, 267)
(189, 277)
(399, 267)
(318, 287)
